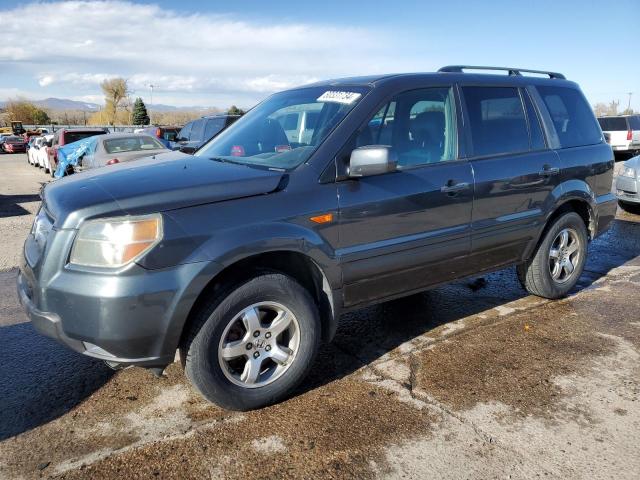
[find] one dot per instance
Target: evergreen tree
(235, 111)
(140, 115)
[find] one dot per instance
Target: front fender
(245, 241)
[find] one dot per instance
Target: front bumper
(131, 319)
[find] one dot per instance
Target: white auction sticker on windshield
(339, 97)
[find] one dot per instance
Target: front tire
(558, 262)
(252, 347)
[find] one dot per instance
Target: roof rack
(511, 70)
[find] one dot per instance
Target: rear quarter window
(571, 115)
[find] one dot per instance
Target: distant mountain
(159, 107)
(65, 104)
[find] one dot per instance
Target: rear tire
(629, 207)
(559, 259)
(231, 339)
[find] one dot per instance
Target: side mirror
(188, 150)
(372, 160)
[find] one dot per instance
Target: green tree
(40, 117)
(26, 112)
(235, 111)
(140, 115)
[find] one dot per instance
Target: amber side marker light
(326, 218)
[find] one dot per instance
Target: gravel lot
(471, 380)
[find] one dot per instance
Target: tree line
(119, 109)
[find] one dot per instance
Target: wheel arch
(582, 204)
(300, 266)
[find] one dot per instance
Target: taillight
(237, 151)
(629, 135)
(158, 133)
(113, 161)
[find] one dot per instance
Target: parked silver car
(120, 147)
(627, 183)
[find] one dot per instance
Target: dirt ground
(475, 379)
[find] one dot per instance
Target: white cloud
(45, 80)
(188, 56)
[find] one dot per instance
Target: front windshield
(283, 131)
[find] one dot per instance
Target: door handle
(451, 187)
(548, 171)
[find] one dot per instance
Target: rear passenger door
(516, 174)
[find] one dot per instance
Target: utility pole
(151, 86)
(629, 103)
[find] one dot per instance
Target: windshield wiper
(250, 165)
(224, 160)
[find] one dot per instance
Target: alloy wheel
(259, 344)
(564, 255)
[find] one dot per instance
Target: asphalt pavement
(475, 379)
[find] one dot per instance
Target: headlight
(628, 172)
(115, 242)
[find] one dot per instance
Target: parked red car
(14, 144)
(65, 136)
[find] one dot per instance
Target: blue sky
(218, 53)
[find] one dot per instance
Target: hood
(633, 162)
(155, 184)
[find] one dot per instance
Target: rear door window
(571, 115)
(497, 120)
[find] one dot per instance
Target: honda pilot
(244, 256)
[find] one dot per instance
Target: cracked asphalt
(475, 379)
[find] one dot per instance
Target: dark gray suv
(243, 256)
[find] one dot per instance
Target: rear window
(131, 144)
(70, 137)
(613, 124)
(571, 115)
(497, 120)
